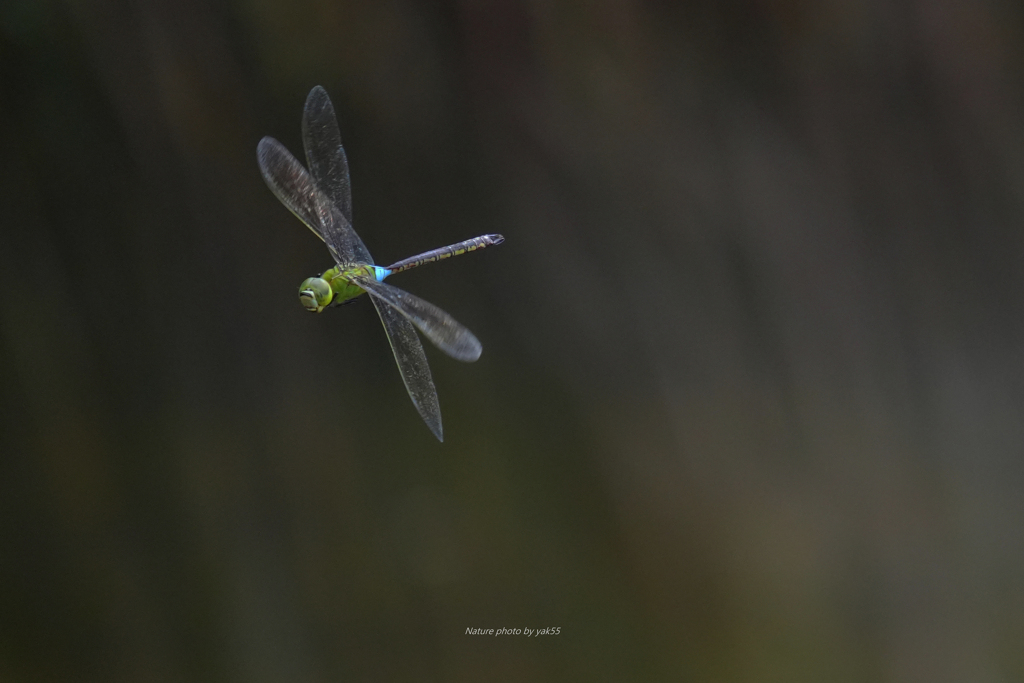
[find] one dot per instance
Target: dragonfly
(321, 197)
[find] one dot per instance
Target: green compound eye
(315, 294)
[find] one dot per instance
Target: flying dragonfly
(322, 199)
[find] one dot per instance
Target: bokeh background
(751, 403)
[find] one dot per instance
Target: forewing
(291, 184)
(412, 364)
(325, 156)
(436, 325)
(327, 161)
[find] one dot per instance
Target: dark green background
(750, 403)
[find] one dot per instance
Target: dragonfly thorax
(315, 294)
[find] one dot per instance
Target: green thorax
(340, 279)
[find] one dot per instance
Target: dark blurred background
(751, 403)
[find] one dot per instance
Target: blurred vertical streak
(172, 72)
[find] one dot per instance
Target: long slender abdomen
(446, 252)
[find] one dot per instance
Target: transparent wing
(412, 364)
(296, 189)
(436, 325)
(325, 157)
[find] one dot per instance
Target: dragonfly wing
(436, 325)
(412, 364)
(325, 156)
(296, 189)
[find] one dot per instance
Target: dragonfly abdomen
(446, 252)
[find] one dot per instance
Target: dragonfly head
(315, 294)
